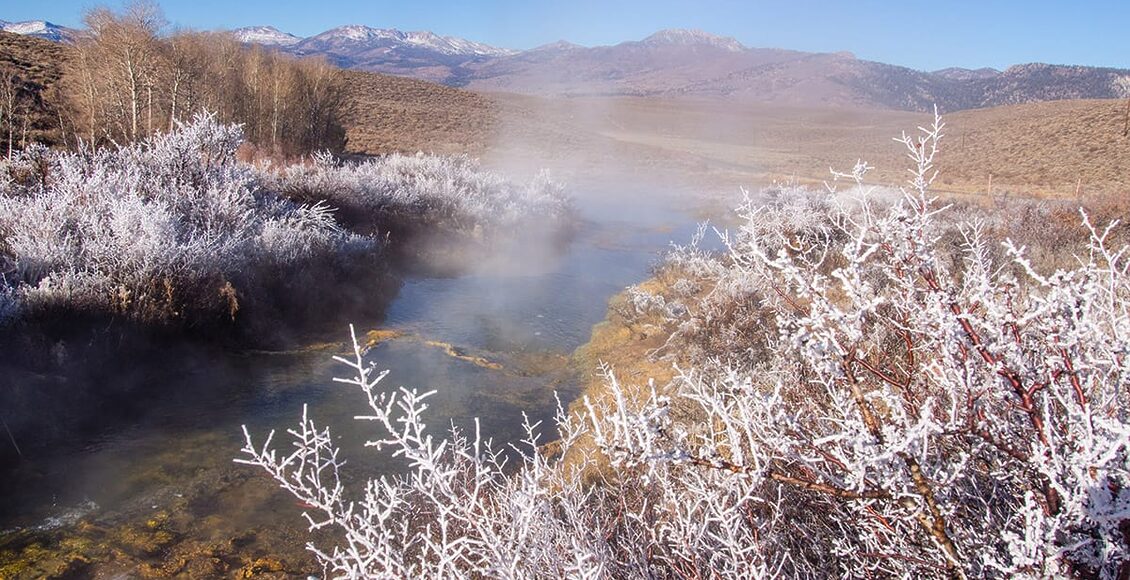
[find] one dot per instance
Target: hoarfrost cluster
(176, 228)
(153, 229)
(452, 192)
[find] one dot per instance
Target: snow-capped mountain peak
(680, 36)
(265, 35)
(463, 46)
(356, 34)
(41, 29)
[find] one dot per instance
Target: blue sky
(923, 35)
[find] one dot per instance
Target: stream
(155, 492)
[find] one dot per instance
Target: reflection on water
(160, 494)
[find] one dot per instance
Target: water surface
(156, 488)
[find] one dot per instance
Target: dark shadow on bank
(70, 378)
(67, 378)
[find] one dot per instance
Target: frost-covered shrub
(450, 193)
(28, 167)
(159, 230)
(952, 414)
(461, 510)
(644, 302)
(456, 511)
(914, 414)
(177, 228)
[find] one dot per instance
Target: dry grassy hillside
(38, 60)
(1040, 149)
(1051, 146)
(35, 66)
(384, 113)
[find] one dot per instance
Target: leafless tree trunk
(9, 92)
(149, 108)
(275, 111)
(25, 118)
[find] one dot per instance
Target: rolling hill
(32, 68)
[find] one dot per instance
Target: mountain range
(693, 63)
(40, 29)
(674, 63)
(419, 54)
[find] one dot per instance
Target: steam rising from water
(526, 306)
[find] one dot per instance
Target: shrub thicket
(157, 231)
(177, 229)
(897, 401)
(432, 192)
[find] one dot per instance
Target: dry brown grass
(624, 343)
(385, 114)
(1044, 149)
(38, 65)
(38, 59)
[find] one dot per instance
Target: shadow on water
(67, 379)
(127, 460)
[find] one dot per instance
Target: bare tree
(120, 62)
(125, 82)
(9, 92)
